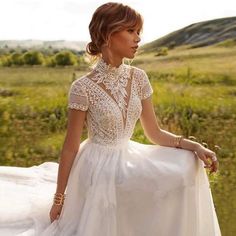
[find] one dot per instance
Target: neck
(112, 61)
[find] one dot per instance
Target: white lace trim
(115, 80)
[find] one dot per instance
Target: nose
(137, 39)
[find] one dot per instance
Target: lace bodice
(112, 98)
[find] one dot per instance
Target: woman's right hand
(55, 212)
(205, 154)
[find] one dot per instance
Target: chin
(130, 56)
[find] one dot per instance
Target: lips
(135, 48)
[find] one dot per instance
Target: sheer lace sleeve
(77, 97)
(146, 87)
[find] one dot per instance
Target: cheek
(122, 45)
(121, 42)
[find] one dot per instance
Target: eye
(130, 30)
(133, 30)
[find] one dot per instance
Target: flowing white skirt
(131, 189)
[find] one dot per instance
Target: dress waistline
(117, 145)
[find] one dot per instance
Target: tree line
(44, 58)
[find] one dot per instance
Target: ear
(108, 42)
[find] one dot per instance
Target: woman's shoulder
(85, 77)
(81, 80)
(78, 85)
(139, 73)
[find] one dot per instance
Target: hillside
(39, 44)
(197, 35)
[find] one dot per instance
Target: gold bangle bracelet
(60, 194)
(58, 202)
(59, 199)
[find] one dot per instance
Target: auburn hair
(107, 19)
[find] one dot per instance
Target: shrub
(162, 51)
(65, 58)
(33, 58)
(17, 59)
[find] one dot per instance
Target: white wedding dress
(117, 186)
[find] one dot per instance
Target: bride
(109, 184)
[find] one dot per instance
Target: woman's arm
(164, 138)
(71, 144)
(157, 135)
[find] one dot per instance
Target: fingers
(54, 217)
(209, 164)
(214, 166)
(204, 158)
(209, 159)
(206, 162)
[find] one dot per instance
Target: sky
(69, 19)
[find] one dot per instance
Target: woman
(115, 186)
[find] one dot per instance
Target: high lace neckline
(115, 80)
(107, 69)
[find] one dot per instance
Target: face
(125, 43)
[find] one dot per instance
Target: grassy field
(194, 94)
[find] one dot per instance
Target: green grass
(194, 94)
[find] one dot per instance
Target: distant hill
(197, 35)
(40, 44)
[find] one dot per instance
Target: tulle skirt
(130, 189)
